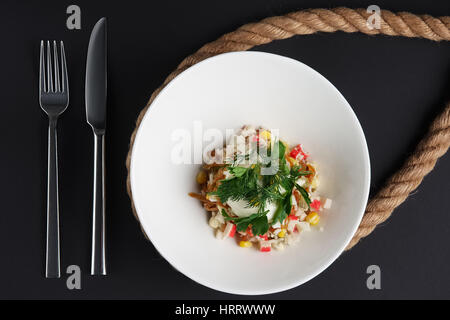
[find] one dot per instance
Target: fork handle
(98, 262)
(52, 269)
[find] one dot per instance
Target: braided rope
(398, 187)
(434, 145)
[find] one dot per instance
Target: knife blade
(96, 77)
(96, 96)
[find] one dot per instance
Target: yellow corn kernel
(313, 218)
(293, 162)
(245, 244)
(265, 135)
(314, 183)
(201, 177)
(282, 233)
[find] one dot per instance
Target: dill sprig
(247, 183)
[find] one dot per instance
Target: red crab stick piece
(233, 231)
(230, 230)
(316, 204)
(264, 236)
(296, 151)
(265, 247)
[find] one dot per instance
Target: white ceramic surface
(228, 91)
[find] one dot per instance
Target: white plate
(228, 91)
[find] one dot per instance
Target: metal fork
(54, 99)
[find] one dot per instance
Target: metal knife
(96, 72)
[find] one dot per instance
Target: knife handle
(52, 261)
(98, 262)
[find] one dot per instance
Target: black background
(395, 85)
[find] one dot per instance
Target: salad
(260, 191)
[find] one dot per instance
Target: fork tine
(49, 68)
(64, 79)
(42, 84)
(55, 59)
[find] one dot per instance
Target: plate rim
(367, 169)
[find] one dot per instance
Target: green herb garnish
(258, 189)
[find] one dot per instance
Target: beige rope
(433, 145)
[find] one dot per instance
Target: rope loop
(433, 146)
